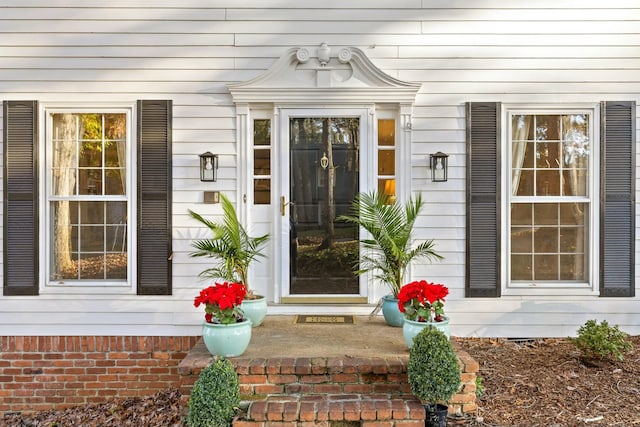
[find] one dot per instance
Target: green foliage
(215, 397)
(479, 386)
(602, 341)
(390, 225)
(231, 246)
(433, 370)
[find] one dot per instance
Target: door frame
(367, 131)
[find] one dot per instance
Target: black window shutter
(20, 248)
(483, 200)
(154, 197)
(617, 204)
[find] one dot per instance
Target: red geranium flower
(422, 301)
(222, 302)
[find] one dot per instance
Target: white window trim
(44, 166)
(591, 287)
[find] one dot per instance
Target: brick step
(333, 410)
(329, 391)
(322, 375)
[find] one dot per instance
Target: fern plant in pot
(389, 248)
(433, 373)
(233, 251)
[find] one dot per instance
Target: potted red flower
(225, 331)
(422, 304)
(222, 302)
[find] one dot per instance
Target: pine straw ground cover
(530, 383)
(548, 383)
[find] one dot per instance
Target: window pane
(91, 154)
(91, 212)
(116, 268)
(521, 214)
(547, 183)
(546, 213)
(521, 240)
(572, 267)
(261, 191)
(115, 182)
(548, 155)
(522, 128)
(572, 213)
(547, 128)
(574, 182)
(386, 162)
(521, 267)
(262, 132)
(387, 187)
(92, 266)
(262, 162)
(115, 154)
(387, 132)
(569, 239)
(91, 239)
(546, 267)
(545, 240)
(523, 182)
(116, 238)
(90, 181)
(63, 181)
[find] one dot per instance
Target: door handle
(283, 205)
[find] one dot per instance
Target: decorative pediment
(324, 74)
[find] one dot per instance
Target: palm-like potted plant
(433, 373)
(389, 250)
(233, 251)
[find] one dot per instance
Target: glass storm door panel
(323, 181)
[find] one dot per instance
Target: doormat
(334, 320)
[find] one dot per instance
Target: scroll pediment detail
(323, 68)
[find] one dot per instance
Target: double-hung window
(550, 199)
(88, 190)
(87, 201)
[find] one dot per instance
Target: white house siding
(535, 51)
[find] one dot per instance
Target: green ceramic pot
(227, 340)
(255, 309)
(391, 312)
(411, 328)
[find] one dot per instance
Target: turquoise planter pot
(227, 340)
(255, 310)
(391, 312)
(411, 328)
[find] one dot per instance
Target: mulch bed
(549, 383)
(527, 383)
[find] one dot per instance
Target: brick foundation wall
(38, 373)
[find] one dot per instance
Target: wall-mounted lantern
(208, 166)
(439, 162)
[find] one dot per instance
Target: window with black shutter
(88, 198)
(549, 181)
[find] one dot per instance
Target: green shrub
(602, 341)
(433, 370)
(215, 397)
(479, 386)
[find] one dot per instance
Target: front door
(324, 176)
